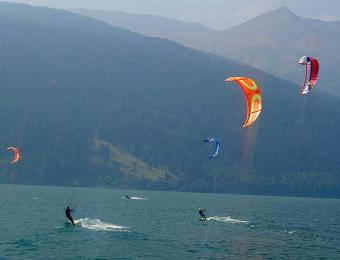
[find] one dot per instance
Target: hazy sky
(217, 14)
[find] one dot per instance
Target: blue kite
(217, 146)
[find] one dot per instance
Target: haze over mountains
(90, 104)
(151, 25)
(273, 42)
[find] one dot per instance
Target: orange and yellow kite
(252, 93)
(16, 154)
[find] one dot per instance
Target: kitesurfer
(128, 197)
(68, 214)
(202, 214)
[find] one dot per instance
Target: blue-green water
(164, 226)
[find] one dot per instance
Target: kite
(311, 74)
(16, 154)
(252, 94)
(217, 146)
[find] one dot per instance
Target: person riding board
(68, 214)
(128, 197)
(202, 214)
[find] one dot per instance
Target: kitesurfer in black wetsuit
(202, 214)
(68, 214)
(128, 197)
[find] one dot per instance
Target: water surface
(163, 225)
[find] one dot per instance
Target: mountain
(93, 105)
(151, 25)
(273, 42)
(276, 40)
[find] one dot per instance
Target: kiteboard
(76, 222)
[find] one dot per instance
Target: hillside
(89, 104)
(273, 42)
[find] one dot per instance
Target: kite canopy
(217, 146)
(252, 93)
(16, 154)
(311, 74)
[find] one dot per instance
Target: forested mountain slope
(89, 104)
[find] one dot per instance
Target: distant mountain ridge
(90, 104)
(273, 42)
(285, 36)
(146, 24)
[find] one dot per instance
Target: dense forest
(93, 105)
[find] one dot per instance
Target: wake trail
(98, 225)
(228, 219)
(136, 198)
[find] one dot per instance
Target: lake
(163, 225)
